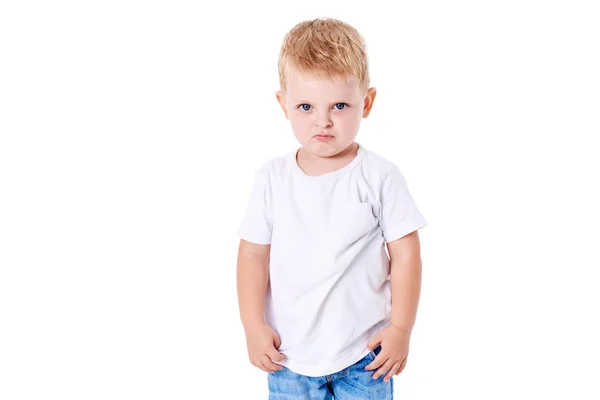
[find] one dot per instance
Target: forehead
(306, 86)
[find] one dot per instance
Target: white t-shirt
(329, 286)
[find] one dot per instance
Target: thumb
(276, 356)
(276, 340)
(374, 341)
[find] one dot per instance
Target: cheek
(349, 120)
(300, 123)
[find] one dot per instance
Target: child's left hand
(394, 352)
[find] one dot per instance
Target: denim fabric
(352, 383)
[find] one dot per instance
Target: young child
(325, 310)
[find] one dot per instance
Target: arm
(252, 281)
(405, 277)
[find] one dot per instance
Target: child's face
(325, 114)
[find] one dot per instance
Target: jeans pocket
(373, 355)
(375, 352)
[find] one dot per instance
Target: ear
(369, 100)
(281, 99)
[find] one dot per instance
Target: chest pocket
(351, 221)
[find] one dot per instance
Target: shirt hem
(256, 239)
(312, 371)
(409, 227)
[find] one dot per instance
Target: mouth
(323, 137)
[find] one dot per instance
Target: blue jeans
(352, 383)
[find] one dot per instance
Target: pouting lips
(323, 137)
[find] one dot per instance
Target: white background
(129, 135)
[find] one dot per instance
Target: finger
(276, 340)
(258, 364)
(382, 370)
(377, 362)
(374, 341)
(266, 361)
(275, 355)
(392, 372)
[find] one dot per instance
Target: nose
(323, 120)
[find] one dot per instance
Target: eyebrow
(307, 101)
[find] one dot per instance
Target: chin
(323, 149)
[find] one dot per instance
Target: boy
(319, 312)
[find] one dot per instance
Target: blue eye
(307, 107)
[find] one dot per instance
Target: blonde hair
(324, 47)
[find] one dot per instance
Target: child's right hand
(262, 342)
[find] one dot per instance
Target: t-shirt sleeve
(398, 215)
(257, 225)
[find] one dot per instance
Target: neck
(315, 165)
(351, 150)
